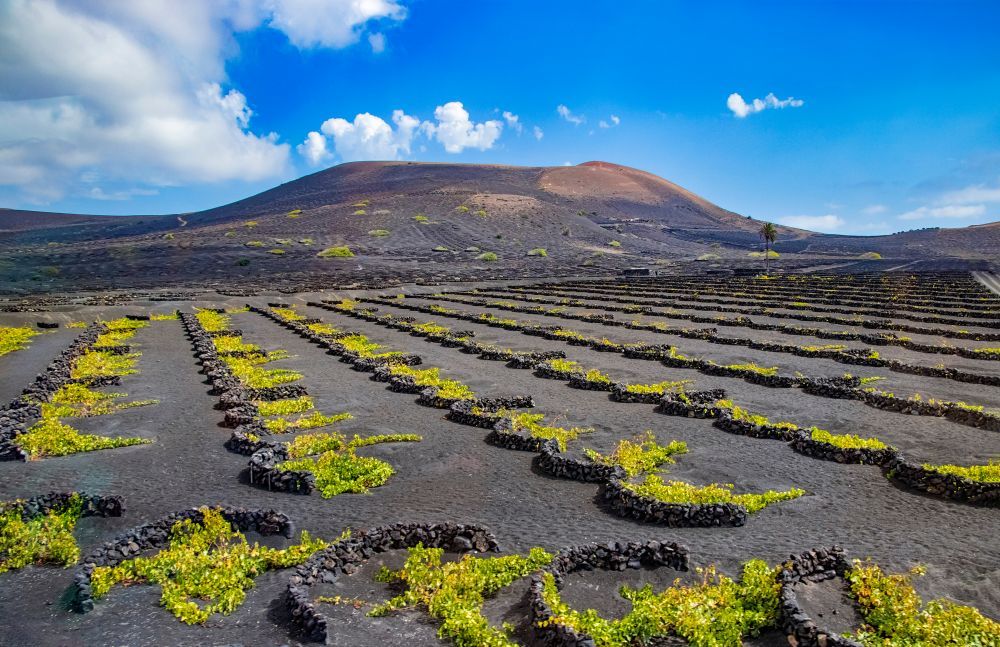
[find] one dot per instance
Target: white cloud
(978, 193)
(538, 132)
(369, 137)
(329, 23)
(314, 148)
(827, 223)
(741, 108)
(568, 115)
(97, 193)
(377, 42)
(945, 211)
(615, 120)
(874, 209)
(456, 132)
(513, 122)
(138, 92)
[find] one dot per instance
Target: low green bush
(640, 456)
(16, 338)
(845, 441)
(488, 257)
(379, 233)
(680, 492)
(44, 539)
(455, 592)
(981, 473)
(207, 568)
(538, 251)
(336, 252)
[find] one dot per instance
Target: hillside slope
(418, 220)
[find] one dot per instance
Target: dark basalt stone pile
(816, 565)
(92, 505)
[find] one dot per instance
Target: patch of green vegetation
(615, 243)
(770, 254)
(360, 212)
(770, 370)
(250, 224)
(361, 204)
(44, 539)
(422, 219)
(659, 388)
(51, 437)
(229, 234)
(640, 456)
(681, 492)
(845, 441)
(284, 407)
(282, 241)
(168, 236)
(306, 241)
(538, 251)
(895, 615)
(312, 421)
(824, 347)
(248, 371)
(447, 388)
(16, 338)
(462, 209)
(488, 257)
(342, 251)
(254, 243)
(295, 213)
(454, 592)
(379, 233)
(338, 469)
(532, 423)
(441, 248)
(871, 256)
(563, 365)
(207, 568)
(481, 213)
(716, 612)
(739, 413)
(167, 316)
(981, 473)
(77, 324)
(277, 251)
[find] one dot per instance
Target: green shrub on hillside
(487, 257)
(379, 233)
(343, 251)
(538, 251)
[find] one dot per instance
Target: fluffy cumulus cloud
(827, 223)
(142, 100)
(967, 202)
(568, 115)
(613, 121)
(513, 121)
(538, 133)
(740, 108)
(369, 137)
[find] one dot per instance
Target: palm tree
(768, 232)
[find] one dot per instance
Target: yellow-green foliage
(982, 473)
(360, 212)
(895, 616)
(641, 456)
(248, 371)
(563, 365)
(250, 224)
(995, 349)
(342, 251)
(824, 347)
(322, 328)
(288, 314)
(533, 424)
(12, 339)
(422, 219)
(379, 233)
(212, 321)
(277, 251)
(680, 492)
(77, 324)
(454, 592)
(716, 612)
(306, 241)
(845, 441)
(312, 421)
(337, 468)
(772, 370)
(740, 413)
(447, 388)
(430, 327)
(77, 401)
(285, 407)
(872, 256)
(229, 234)
(119, 331)
(770, 254)
(462, 209)
(254, 243)
(233, 344)
(659, 387)
(615, 243)
(44, 539)
(488, 257)
(295, 213)
(360, 203)
(207, 568)
(167, 316)
(51, 437)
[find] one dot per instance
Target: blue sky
(884, 116)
